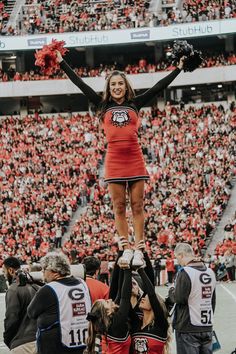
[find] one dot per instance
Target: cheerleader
(118, 109)
(109, 319)
(151, 333)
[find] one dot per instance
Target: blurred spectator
(19, 330)
(170, 268)
(157, 270)
(98, 290)
(104, 271)
(230, 262)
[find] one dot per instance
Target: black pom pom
(193, 57)
(193, 61)
(180, 49)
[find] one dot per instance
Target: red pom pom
(46, 57)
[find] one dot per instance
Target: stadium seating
(46, 165)
(57, 16)
(104, 70)
(50, 166)
(189, 186)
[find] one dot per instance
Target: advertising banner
(126, 36)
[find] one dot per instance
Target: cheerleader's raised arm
(148, 95)
(86, 89)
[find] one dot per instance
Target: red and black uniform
(124, 158)
(152, 338)
(118, 338)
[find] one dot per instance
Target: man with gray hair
(194, 296)
(61, 308)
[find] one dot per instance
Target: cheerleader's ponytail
(99, 322)
(91, 340)
(167, 347)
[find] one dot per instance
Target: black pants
(157, 277)
(58, 242)
(231, 273)
(170, 277)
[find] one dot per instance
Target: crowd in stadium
(46, 173)
(175, 209)
(68, 258)
(223, 262)
(4, 16)
(57, 16)
(66, 175)
(103, 70)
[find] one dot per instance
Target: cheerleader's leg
(118, 197)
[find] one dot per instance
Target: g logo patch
(205, 278)
(76, 294)
(120, 118)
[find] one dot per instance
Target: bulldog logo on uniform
(141, 345)
(120, 118)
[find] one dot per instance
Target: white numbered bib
(74, 303)
(202, 287)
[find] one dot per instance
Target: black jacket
(18, 327)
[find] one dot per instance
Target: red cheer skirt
(124, 162)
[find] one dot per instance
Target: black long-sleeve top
(160, 325)
(119, 325)
(138, 101)
(117, 274)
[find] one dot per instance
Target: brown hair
(106, 97)
(167, 347)
(99, 322)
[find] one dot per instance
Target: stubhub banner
(36, 42)
(134, 35)
(140, 35)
